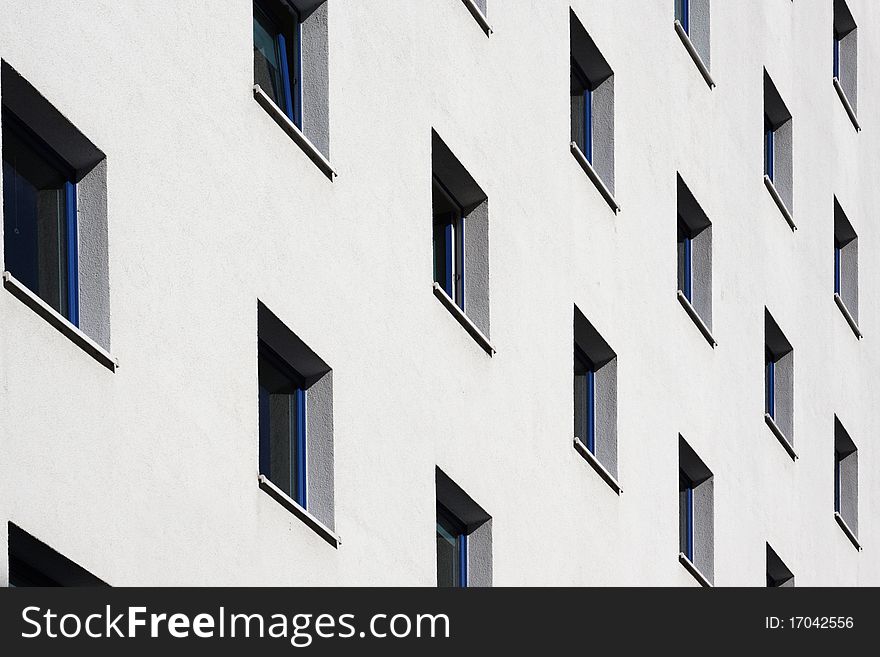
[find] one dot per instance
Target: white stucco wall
(149, 475)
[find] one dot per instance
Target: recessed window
(479, 9)
(595, 399)
(54, 217)
(696, 514)
(39, 211)
(33, 563)
(846, 482)
(277, 47)
(694, 254)
(778, 574)
(451, 550)
(295, 408)
(291, 72)
(779, 383)
(460, 242)
(845, 58)
(282, 425)
(592, 110)
(464, 537)
(692, 24)
(778, 150)
(846, 268)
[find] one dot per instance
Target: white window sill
(56, 319)
(693, 570)
(463, 319)
(591, 173)
(846, 314)
(590, 458)
(692, 51)
(779, 202)
(288, 503)
(846, 530)
(846, 104)
(780, 436)
(692, 312)
(295, 133)
(478, 15)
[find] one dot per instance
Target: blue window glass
(585, 399)
(282, 412)
(451, 550)
(838, 457)
(770, 385)
(277, 60)
(837, 248)
(581, 111)
(686, 515)
(768, 148)
(682, 14)
(448, 243)
(39, 218)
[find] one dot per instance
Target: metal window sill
(478, 15)
(692, 312)
(779, 202)
(295, 133)
(592, 175)
(847, 315)
(590, 458)
(290, 504)
(846, 104)
(692, 51)
(56, 319)
(463, 319)
(846, 530)
(693, 570)
(780, 436)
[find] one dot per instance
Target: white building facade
(423, 210)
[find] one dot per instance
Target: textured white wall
(149, 476)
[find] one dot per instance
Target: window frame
(590, 376)
(44, 151)
(299, 439)
(454, 245)
(291, 76)
(770, 386)
(459, 532)
(587, 140)
(769, 156)
(689, 514)
(838, 457)
(836, 55)
(837, 254)
(682, 11)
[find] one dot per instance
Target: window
(277, 39)
(694, 252)
(295, 395)
(464, 537)
(779, 384)
(845, 59)
(451, 550)
(696, 514)
(592, 111)
(595, 400)
(460, 239)
(692, 25)
(39, 208)
(846, 483)
(778, 573)
(54, 217)
(291, 66)
(33, 563)
(846, 268)
(778, 150)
